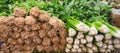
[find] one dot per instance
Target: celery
(78, 25)
(93, 30)
(101, 27)
(113, 30)
(71, 31)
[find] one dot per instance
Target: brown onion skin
(34, 11)
(19, 12)
(55, 40)
(26, 33)
(39, 48)
(48, 49)
(51, 33)
(62, 32)
(62, 47)
(19, 21)
(46, 26)
(46, 41)
(63, 41)
(16, 35)
(42, 33)
(44, 16)
(55, 48)
(29, 20)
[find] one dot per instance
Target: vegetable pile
(91, 37)
(36, 32)
(86, 21)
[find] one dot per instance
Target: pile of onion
(33, 32)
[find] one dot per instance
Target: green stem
(97, 25)
(110, 26)
(112, 32)
(75, 20)
(72, 22)
(67, 26)
(89, 24)
(70, 25)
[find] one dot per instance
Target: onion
(19, 12)
(34, 11)
(44, 16)
(30, 20)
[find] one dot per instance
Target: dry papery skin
(34, 11)
(44, 16)
(19, 12)
(54, 21)
(23, 33)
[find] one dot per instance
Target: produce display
(91, 37)
(35, 32)
(58, 26)
(81, 10)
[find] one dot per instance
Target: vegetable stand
(34, 26)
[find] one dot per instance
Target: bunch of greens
(89, 10)
(5, 4)
(83, 9)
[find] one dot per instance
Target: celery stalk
(92, 30)
(71, 32)
(78, 25)
(101, 27)
(113, 30)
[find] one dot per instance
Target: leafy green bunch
(5, 4)
(89, 10)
